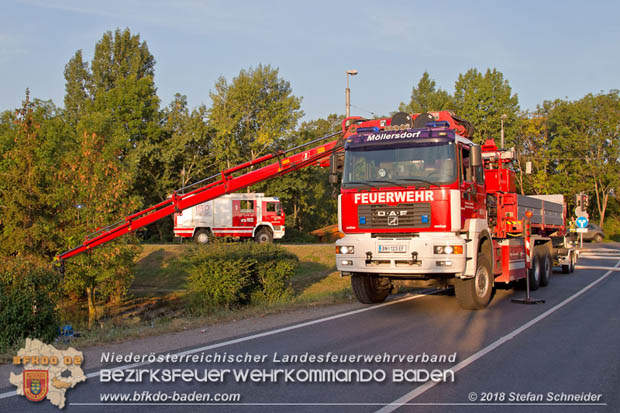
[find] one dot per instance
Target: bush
(611, 228)
(227, 275)
(28, 298)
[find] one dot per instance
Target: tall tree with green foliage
(30, 196)
(483, 99)
(426, 97)
(115, 97)
(98, 185)
(586, 143)
(253, 115)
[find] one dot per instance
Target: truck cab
(412, 205)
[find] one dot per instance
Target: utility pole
(347, 92)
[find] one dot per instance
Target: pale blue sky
(546, 49)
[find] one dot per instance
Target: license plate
(392, 248)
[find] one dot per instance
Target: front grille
(412, 215)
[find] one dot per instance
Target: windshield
(401, 166)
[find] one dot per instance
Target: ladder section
(225, 183)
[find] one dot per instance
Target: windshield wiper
(429, 183)
(390, 182)
(360, 183)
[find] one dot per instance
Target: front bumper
(415, 257)
(279, 234)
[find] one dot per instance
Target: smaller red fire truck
(234, 215)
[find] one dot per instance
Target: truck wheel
(475, 293)
(202, 236)
(263, 236)
(535, 272)
(546, 268)
(565, 269)
(370, 290)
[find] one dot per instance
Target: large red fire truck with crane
(419, 201)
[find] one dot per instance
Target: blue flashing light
(368, 129)
(362, 220)
(425, 219)
(438, 124)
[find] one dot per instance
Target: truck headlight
(344, 249)
(448, 249)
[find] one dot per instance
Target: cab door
(244, 213)
(469, 190)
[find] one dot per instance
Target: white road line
(599, 257)
(390, 407)
(264, 334)
(589, 267)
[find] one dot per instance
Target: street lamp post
(502, 118)
(347, 92)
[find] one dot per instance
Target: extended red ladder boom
(224, 185)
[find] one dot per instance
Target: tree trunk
(92, 309)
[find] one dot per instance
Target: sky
(545, 49)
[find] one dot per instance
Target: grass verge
(157, 301)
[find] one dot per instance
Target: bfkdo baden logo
(35, 384)
(48, 373)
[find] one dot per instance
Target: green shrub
(28, 299)
(227, 275)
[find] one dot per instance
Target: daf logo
(393, 221)
(391, 213)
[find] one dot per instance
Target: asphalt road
(507, 356)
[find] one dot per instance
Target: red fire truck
(250, 215)
(419, 201)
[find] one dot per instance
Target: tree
(426, 97)
(586, 143)
(483, 99)
(253, 115)
(96, 180)
(78, 83)
(30, 197)
(117, 98)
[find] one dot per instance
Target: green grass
(159, 270)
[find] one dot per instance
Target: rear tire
(573, 261)
(546, 267)
(598, 238)
(263, 236)
(475, 293)
(370, 290)
(202, 236)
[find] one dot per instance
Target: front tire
(370, 290)
(263, 236)
(475, 293)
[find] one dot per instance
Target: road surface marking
(588, 267)
(401, 401)
(424, 293)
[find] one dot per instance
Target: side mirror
(476, 156)
(335, 166)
